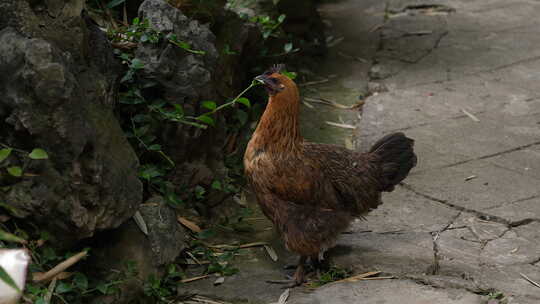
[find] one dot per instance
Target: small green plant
(147, 113)
(332, 275)
(219, 262)
(17, 171)
(69, 287)
(163, 289)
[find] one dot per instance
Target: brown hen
(311, 192)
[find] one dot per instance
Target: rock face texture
(57, 84)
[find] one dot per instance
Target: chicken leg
(297, 279)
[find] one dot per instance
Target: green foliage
(38, 154)
(268, 25)
(163, 289)
(4, 153)
(218, 262)
(4, 276)
(332, 275)
(17, 171)
(74, 289)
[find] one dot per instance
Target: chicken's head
(275, 83)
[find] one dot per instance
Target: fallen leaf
(189, 224)
(359, 277)
(219, 281)
(284, 296)
(139, 220)
(194, 279)
(271, 252)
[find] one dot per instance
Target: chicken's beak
(261, 79)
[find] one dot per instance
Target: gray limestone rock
(56, 97)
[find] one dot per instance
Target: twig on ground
(194, 278)
(358, 277)
(529, 280)
(60, 267)
(474, 118)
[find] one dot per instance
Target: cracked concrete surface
(470, 100)
(461, 78)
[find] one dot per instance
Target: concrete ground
(461, 78)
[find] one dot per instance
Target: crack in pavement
(489, 155)
(479, 214)
(435, 267)
(505, 66)
(513, 202)
(514, 171)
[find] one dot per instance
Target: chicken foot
(298, 277)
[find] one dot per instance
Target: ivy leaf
(38, 153)
(244, 101)
(81, 281)
(102, 287)
(6, 278)
(4, 153)
(136, 64)
(179, 110)
(206, 119)
(291, 75)
(216, 185)
(210, 105)
(63, 288)
(155, 147)
(8, 237)
(281, 18)
(15, 171)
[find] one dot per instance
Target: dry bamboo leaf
(254, 244)
(377, 278)
(194, 279)
(219, 281)
(340, 125)
(358, 277)
(189, 224)
(468, 178)
(193, 257)
(307, 104)
(529, 280)
(59, 268)
(50, 289)
(139, 220)
(271, 252)
(349, 143)
(471, 116)
(284, 296)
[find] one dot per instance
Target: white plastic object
(14, 262)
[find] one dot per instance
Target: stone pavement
(463, 79)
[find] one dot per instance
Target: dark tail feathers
(397, 158)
